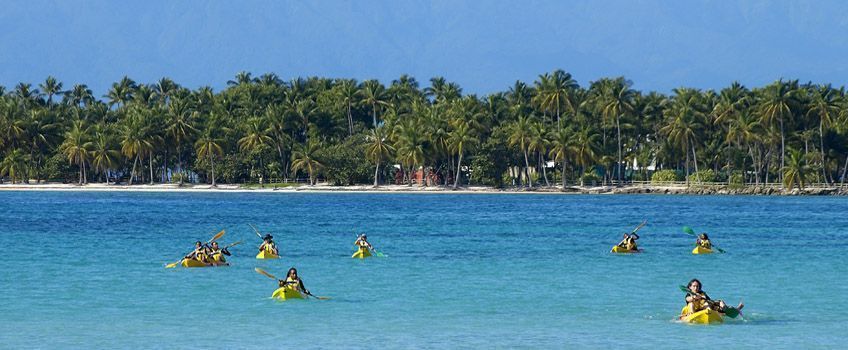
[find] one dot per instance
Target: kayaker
(217, 254)
(199, 253)
(362, 242)
(704, 241)
(294, 282)
(628, 242)
(268, 244)
(697, 299)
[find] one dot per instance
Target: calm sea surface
(86, 270)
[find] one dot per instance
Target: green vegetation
(553, 132)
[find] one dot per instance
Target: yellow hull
(362, 253)
(701, 250)
(705, 316)
(286, 293)
(620, 250)
(192, 263)
(266, 255)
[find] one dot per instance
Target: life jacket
(706, 244)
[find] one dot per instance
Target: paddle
(689, 231)
(729, 311)
(645, 222)
(213, 239)
(255, 230)
(263, 272)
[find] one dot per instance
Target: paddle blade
(233, 244)
(263, 272)
(684, 288)
(215, 237)
(719, 249)
(688, 230)
(171, 266)
(731, 312)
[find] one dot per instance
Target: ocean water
(86, 271)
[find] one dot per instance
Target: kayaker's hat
(268, 237)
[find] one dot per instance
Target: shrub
(706, 175)
(591, 179)
(664, 176)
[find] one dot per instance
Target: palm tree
(539, 145)
(825, 106)
(137, 138)
(796, 171)
(209, 146)
(561, 149)
(615, 102)
(14, 165)
(347, 93)
(180, 127)
(374, 95)
(104, 156)
(461, 139)
(121, 92)
(378, 149)
(777, 102)
(555, 92)
(585, 149)
(683, 123)
(304, 158)
(76, 148)
(255, 139)
(51, 87)
(520, 135)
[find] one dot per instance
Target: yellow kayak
(193, 263)
(705, 316)
(701, 250)
(267, 255)
(285, 293)
(622, 250)
(362, 253)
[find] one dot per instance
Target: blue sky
(482, 45)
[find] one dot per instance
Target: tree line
(552, 132)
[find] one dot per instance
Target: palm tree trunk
(544, 171)
(212, 162)
(844, 168)
(150, 161)
(618, 132)
(782, 153)
(824, 162)
(349, 120)
(376, 172)
(374, 113)
(132, 173)
(563, 173)
(695, 157)
(527, 169)
(687, 168)
(458, 167)
(80, 172)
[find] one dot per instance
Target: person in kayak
(217, 254)
(200, 253)
(628, 242)
(294, 282)
(697, 299)
(269, 245)
(704, 241)
(362, 242)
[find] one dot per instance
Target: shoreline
(405, 189)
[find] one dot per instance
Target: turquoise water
(85, 270)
